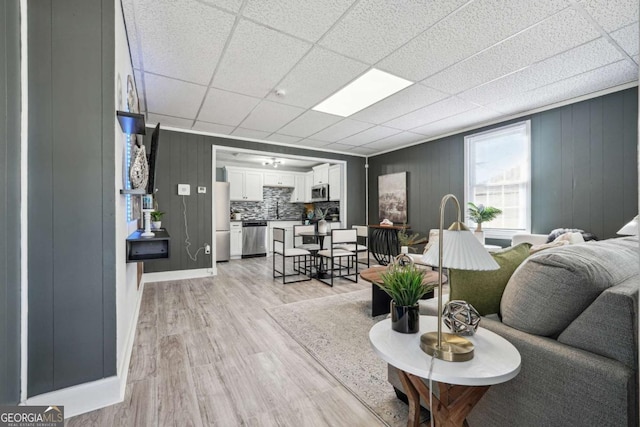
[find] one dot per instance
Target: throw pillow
(571, 238)
(555, 244)
(433, 239)
(483, 289)
(560, 231)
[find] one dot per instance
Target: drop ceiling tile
(232, 5)
(339, 147)
(341, 130)
(327, 71)
(313, 143)
(627, 38)
(403, 102)
(373, 134)
(477, 26)
(431, 113)
(270, 116)
(637, 59)
(612, 14)
(168, 121)
(375, 28)
(581, 59)
(257, 58)
(457, 122)
(250, 133)
(540, 42)
(173, 97)
(602, 78)
(181, 38)
(284, 138)
(309, 123)
(306, 19)
(213, 128)
(226, 108)
(395, 141)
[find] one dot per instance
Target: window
(498, 173)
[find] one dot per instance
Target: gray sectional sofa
(572, 313)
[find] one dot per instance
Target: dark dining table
(320, 273)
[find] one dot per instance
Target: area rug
(335, 331)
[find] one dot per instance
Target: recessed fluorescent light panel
(366, 90)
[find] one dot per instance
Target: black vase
(405, 319)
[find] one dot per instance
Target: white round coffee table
(461, 384)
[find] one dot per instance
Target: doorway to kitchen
(274, 188)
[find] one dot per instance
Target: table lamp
(630, 228)
(457, 248)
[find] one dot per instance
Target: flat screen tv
(153, 155)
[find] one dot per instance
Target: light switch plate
(184, 190)
(202, 190)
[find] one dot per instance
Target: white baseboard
(164, 276)
(123, 368)
(82, 398)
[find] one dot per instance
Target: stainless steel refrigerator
(221, 206)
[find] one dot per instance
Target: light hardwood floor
(207, 354)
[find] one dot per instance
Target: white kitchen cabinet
(298, 194)
(335, 182)
(253, 186)
(279, 179)
(235, 178)
(321, 174)
(308, 183)
(245, 185)
(236, 240)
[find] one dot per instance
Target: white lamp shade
(461, 251)
(630, 229)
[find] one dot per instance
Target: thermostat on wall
(184, 190)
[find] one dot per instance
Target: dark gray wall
(10, 202)
(186, 159)
(72, 321)
(583, 167)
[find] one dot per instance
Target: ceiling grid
(255, 68)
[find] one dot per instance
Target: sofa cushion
(554, 286)
(609, 327)
(483, 289)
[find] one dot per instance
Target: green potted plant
(479, 214)
(404, 284)
(408, 242)
(156, 219)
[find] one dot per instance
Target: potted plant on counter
(156, 219)
(322, 222)
(404, 284)
(479, 214)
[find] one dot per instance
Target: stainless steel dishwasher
(254, 239)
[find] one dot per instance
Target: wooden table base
(449, 410)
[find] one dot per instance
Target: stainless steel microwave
(320, 193)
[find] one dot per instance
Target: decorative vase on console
(479, 214)
(322, 222)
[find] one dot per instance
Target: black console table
(383, 242)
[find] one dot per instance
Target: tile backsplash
(276, 205)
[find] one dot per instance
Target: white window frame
(502, 233)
